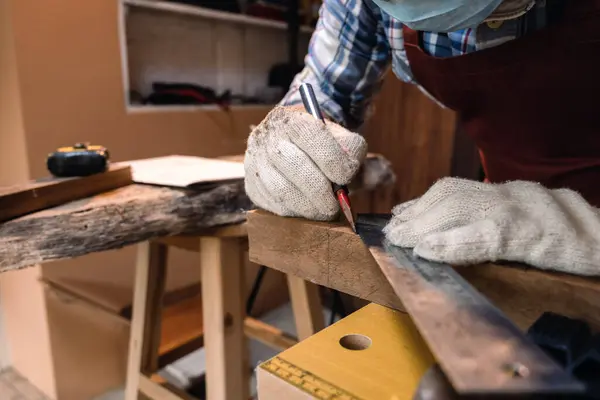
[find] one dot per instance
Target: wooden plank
(157, 278)
(191, 242)
(138, 326)
(332, 255)
(156, 391)
(133, 214)
(19, 200)
(116, 219)
(182, 330)
(212, 14)
(268, 334)
(146, 324)
(182, 325)
(306, 303)
(222, 288)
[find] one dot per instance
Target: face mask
(439, 15)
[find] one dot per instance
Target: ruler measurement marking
(306, 381)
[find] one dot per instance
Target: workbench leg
(227, 369)
(306, 304)
(144, 339)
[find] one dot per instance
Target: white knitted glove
(292, 159)
(465, 222)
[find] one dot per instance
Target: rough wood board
(136, 213)
(268, 334)
(116, 219)
(19, 200)
(333, 256)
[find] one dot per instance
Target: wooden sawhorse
(222, 251)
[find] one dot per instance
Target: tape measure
(305, 381)
(82, 159)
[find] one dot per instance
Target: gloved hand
(292, 159)
(465, 222)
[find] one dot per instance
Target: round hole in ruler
(355, 342)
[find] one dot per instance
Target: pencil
(341, 191)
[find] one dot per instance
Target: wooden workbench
(332, 255)
(136, 213)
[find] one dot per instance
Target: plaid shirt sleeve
(345, 63)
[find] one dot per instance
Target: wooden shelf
(212, 14)
(182, 329)
(140, 109)
(163, 41)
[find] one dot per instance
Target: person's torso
(528, 102)
(453, 44)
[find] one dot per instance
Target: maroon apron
(532, 105)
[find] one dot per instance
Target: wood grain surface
(332, 255)
(136, 213)
(19, 200)
(116, 219)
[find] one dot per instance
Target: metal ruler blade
(479, 349)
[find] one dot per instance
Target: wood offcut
(19, 200)
(116, 219)
(332, 255)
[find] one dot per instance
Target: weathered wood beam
(19, 200)
(116, 219)
(332, 255)
(133, 214)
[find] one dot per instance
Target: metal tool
(479, 349)
(81, 159)
(341, 191)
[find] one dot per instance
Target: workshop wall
(13, 163)
(22, 302)
(69, 63)
(69, 88)
(220, 54)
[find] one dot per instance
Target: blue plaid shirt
(355, 42)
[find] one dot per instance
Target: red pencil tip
(344, 201)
